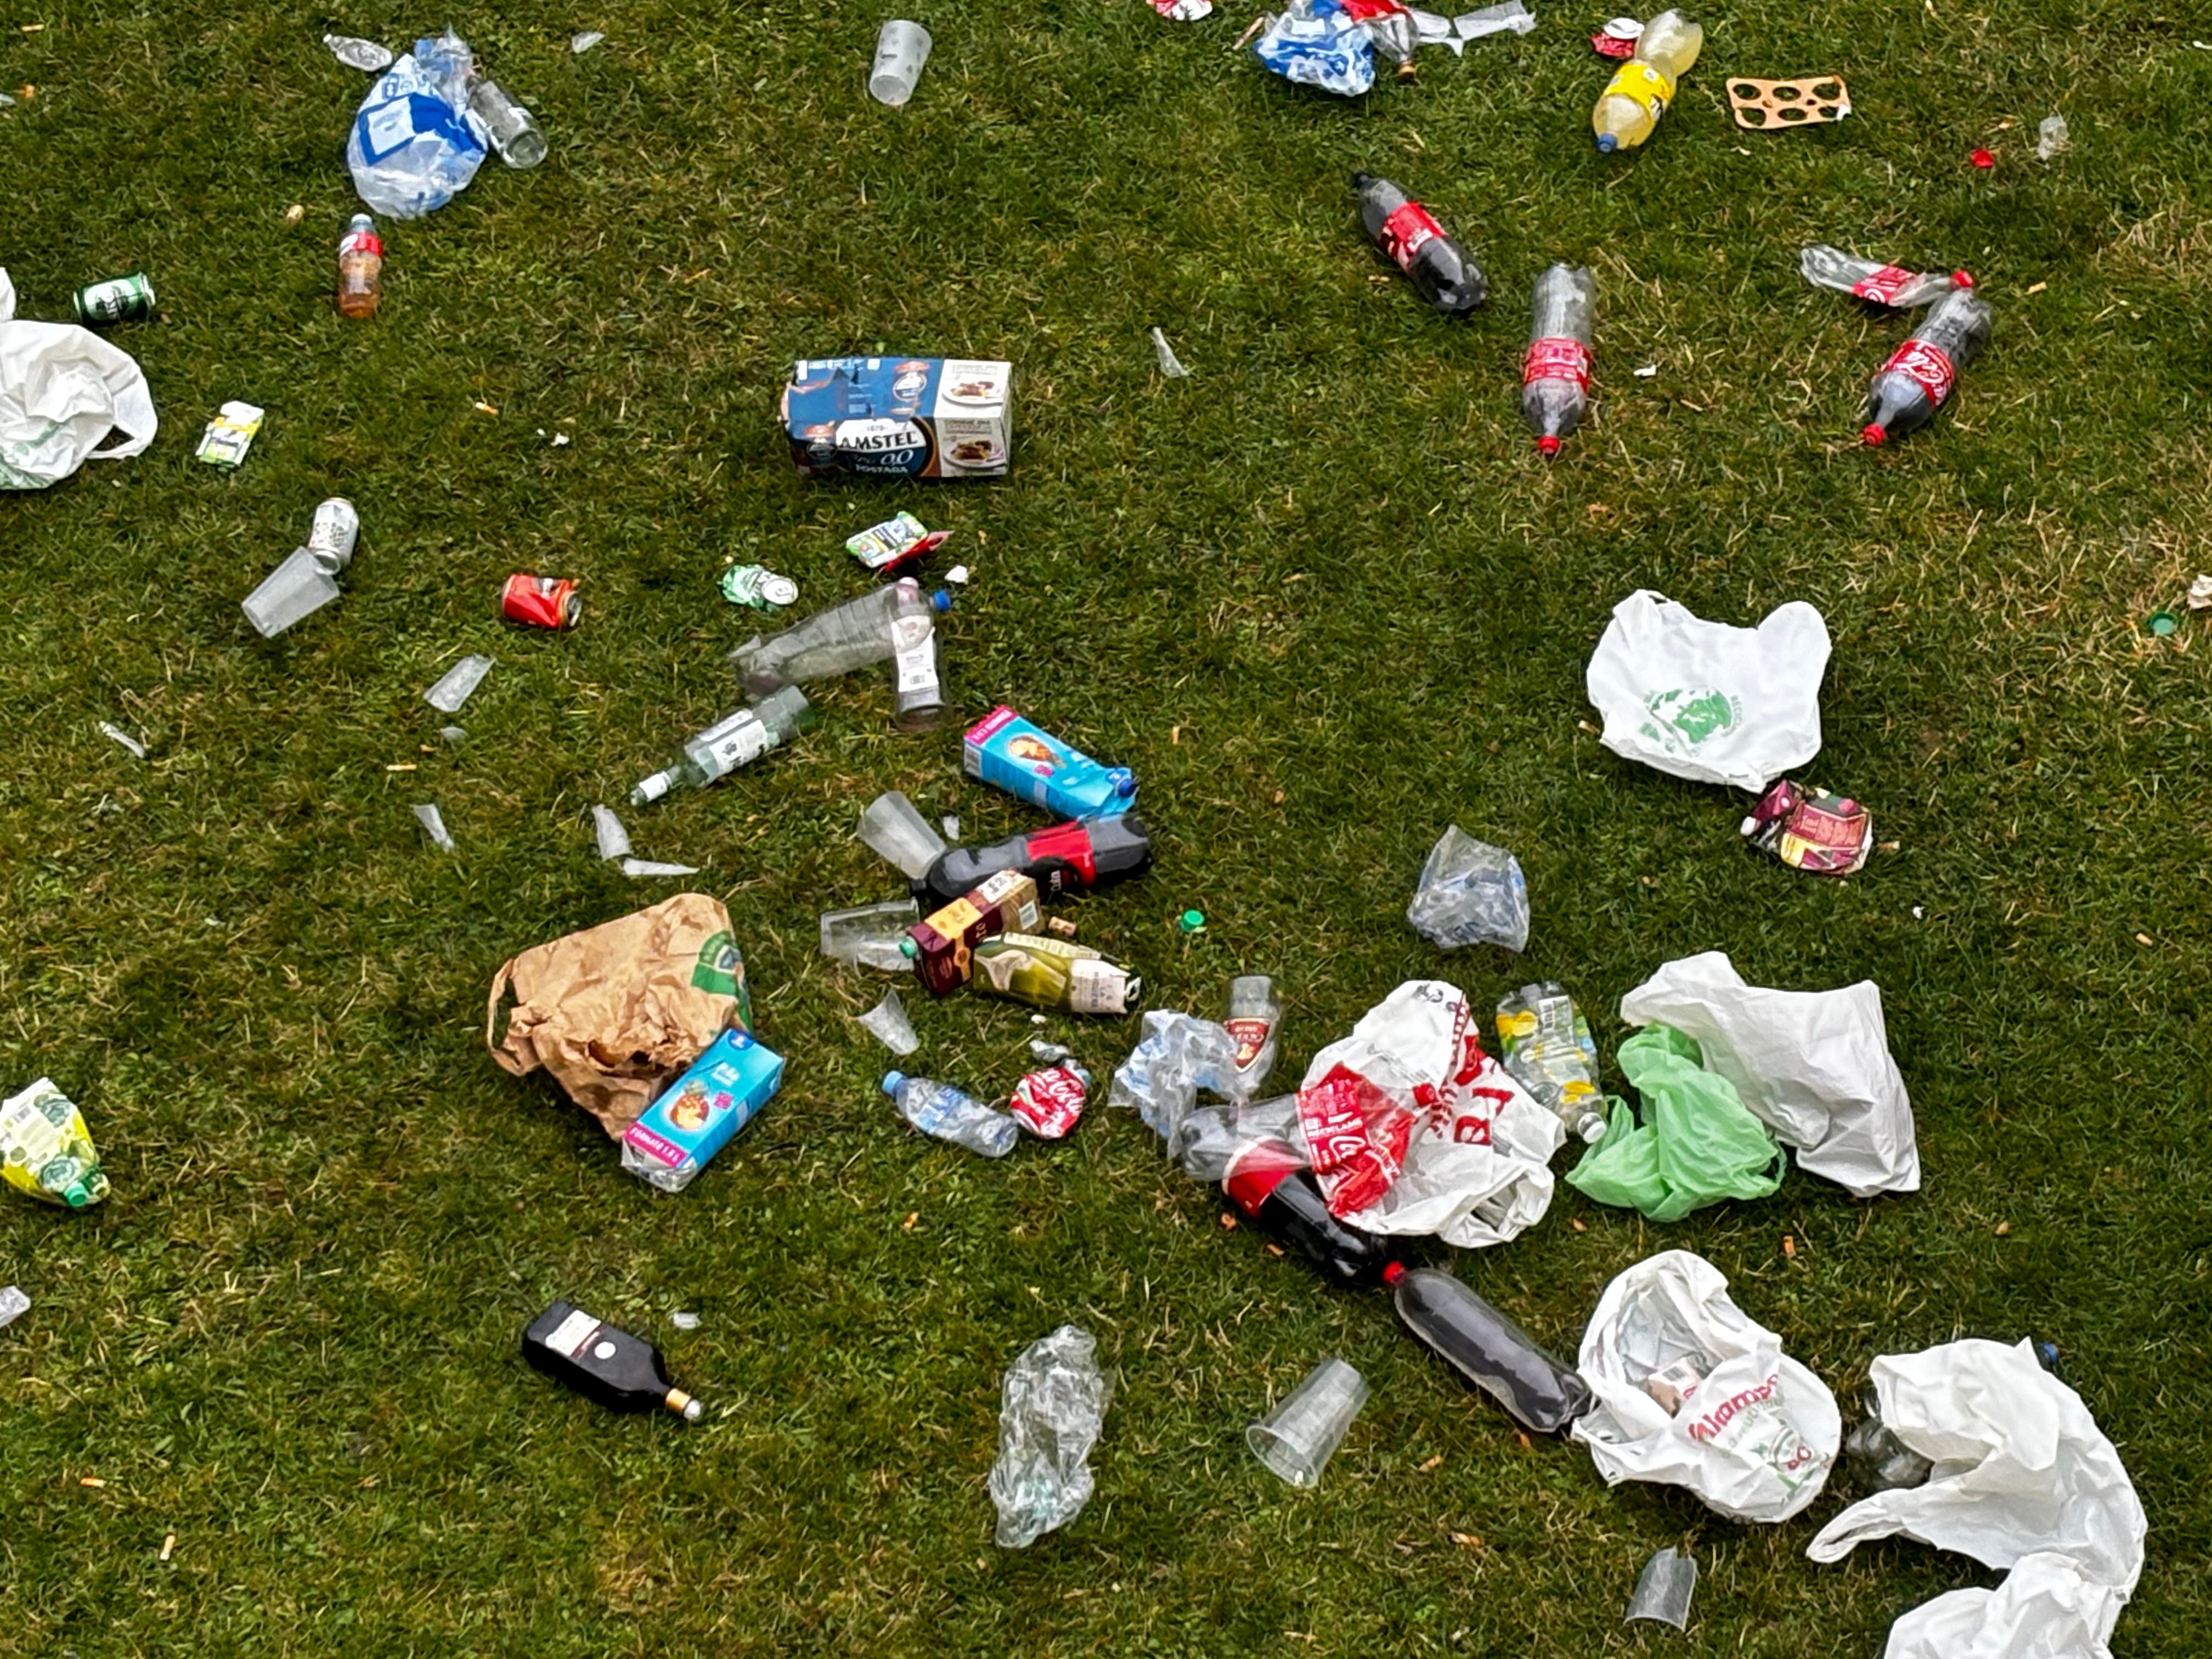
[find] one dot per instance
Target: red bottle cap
(1872, 433)
(1982, 158)
(1394, 1273)
(1547, 447)
(1963, 278)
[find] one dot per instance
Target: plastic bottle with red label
(1918, 377)
(1255, 1014)
(1068, 859)
(1267, 1181)
(1435, 264)
(361, 268)
(1555, 375)
(1883, 285)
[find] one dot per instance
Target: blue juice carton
(696, 1114)
(1006, 750)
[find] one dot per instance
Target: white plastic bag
(62, 391)
(1705, 700)
(1412, 1129)
(2024, 1480)
(1754, 1433)
(415, 144)
(1813, 1065)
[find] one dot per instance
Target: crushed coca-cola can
(540, 601)
(1048, 1102)
(1811, 829)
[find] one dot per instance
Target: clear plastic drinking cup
(1662, 1590)
(900, 835)
(1296, 1438)
(887, 1022)
(295, 590)
(901, 48)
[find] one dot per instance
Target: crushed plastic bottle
(1885, 285)
(1177, 1055)
(1546, 1043)
(1053, 1405)
(1629, 108)
(1433, 262)
(1470, 893)
(951, 1114)
(1555, 374)
(1918, 379)
(1315, 43)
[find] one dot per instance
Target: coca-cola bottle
(1883, 285)
(1487, 1348)
(1269, 1182)
(1555, 375)
(1410, 235)
(1914, 383)
(1068, 858)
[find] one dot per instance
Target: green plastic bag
(1699, 1143)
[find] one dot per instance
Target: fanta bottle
(1641, 88)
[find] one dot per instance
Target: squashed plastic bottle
(1435, 263)
(951, 1114)
(1555, 375)
(1918, 377)
(1641, 88)
(1885, 285)
(1547, 1047)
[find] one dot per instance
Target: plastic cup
(887, 1022)
(458, 684)
(869, 935)
(901, 48)
(1662, 1590)
(900, 835)
(1298, 1436)
(295, 590)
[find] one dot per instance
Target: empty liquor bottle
(1269, 1182)
(361, 268)
(729, 744)
(1435, 264)
(624, 1373)
(1918, 376)
(1066, 858)
(853, 635)
(1487, 1348)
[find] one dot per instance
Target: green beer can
(118, 300)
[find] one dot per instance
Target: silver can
(331, 536)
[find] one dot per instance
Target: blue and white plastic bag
(415, 145)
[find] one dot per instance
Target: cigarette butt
(169, 1546)
(403, 766)
(91, 1480)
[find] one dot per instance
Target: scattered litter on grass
(1773, 106)
(613, 839)
(116, 734)
(1647, 371)
(1184, 11)
(580, 44)
(684, 1321)
(650, 868)
(2159, 624)
(950, 824)
(1170, 365)
(2200, 594)
(14, 1304)
(1663, 1590)
(1983, 159)
(359, 54)
(454, 734)
(458, 684)
(168, 1546)
(230, 434)
(2051, 137)
(888, 1024)
(434, 825)
(294, 214)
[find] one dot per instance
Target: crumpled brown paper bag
(616, 1012)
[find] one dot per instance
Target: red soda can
(540, 601)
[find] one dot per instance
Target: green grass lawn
(1322, 596)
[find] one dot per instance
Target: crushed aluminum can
(1047, 1103)
(757, 586)
(230, 435)
(1811, 829)
(331, 534)
(541, 601)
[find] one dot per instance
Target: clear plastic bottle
(917, 695)
(1436, 263)
(1547, 1047)
(1487, 1348)
(361, 268)
(729, 744)
(514, 130)
(1917, 379)
(1555, 375)
(1885, 285)
(1641, 88)
(1255, 1019)
(951, 1114)
(851, 635)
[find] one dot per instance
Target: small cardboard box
(900, 417)
(945, 945)
(718, 1095)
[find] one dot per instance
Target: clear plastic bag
(1053, 1405)
(415, 145)
(1470, 893)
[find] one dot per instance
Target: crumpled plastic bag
(1053, 1404)
(1754, 1433)
(2024, 1480)
(614, 1012)
(1813, 1065)
(62, 391)
(1411, 1128)
(1470, 893)
(1703, 701)
(1698, 1144)
(1176, 1056)
(414, 143)
(1315, 44)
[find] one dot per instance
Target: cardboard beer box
(944, 946)
(900, 417)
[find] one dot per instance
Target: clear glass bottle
(514, 133)
(729, 744)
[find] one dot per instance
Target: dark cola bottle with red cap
(1409, 234)
(1068, 858)
(1918, 379)
(1487, 1348)
(1555, 374)
(1269, 1182)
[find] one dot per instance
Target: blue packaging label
(1005, 750)
(695, 1117)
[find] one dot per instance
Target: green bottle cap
(907, 948)
(1191, 921)
(2159, 624)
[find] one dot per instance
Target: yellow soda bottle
(1641, 88)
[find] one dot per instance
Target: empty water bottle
(1051, 1407)
(1917, 379)
(951, 1114)
(1885, 285)
(1555, 375)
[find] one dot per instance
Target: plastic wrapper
(613, 841)
(1412, 1129)
(46, 1151)
(14, 1304)
(1315, 44)
(1053, 1405)
(1177, 1056)
(1698, 1144)
(458, 684)
(1470, 893)
(1813, 1065)
(415, 145)
(2024, 1481)
(63, 393)
(1692, 1393)
(1663, 1590)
